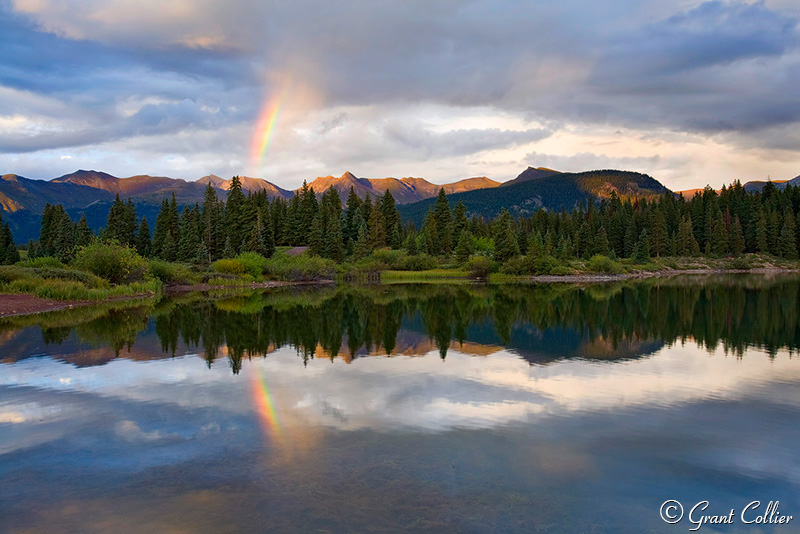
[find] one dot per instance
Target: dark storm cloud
(111, 71)
(718, 67)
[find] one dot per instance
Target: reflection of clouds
(130, 431)
(425, 393)
(28, 412)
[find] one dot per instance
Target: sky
(690, 93)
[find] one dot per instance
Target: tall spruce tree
(736, 237)
(787, 247)
(235, 216)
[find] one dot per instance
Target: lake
(410, 407)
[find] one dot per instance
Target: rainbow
(264, 405)
(265, 127)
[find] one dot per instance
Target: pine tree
(465, 247)
(352, 209)
(143, 238)
(460, 221)
(444, 223)
(631, 238)
(658, 233)
(787, 247)
(63, 244)
(235, 216)
(410, 244)
(641, 252)
(189, 236)
(169, 250)
(719, 236)
(762, 243)
(268, 236)
(505, 241)
(316, 237)
(212, 222)
(736, 237)
(362, 246)
(161, 230)
(564, 250)
(377, 230)
(334, 247)
(228, 251)
(10, 252)
(46, 231)
(686, 244)
(83, 234)
(536, 245)
(391, 220)
(601, 242)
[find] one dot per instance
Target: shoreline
(18, 304)
(598, 278)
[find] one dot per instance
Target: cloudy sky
(691, 93)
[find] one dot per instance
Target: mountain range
(91, 193)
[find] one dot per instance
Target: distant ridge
(532, 174)
(404, 190)
(554, 192)
(250, 185)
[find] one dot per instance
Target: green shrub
(254, 263)
(419, 262)
(603, 264)
(28, 284)
(9, 273)
(44, 261)
(172, 273)
(739, 263)
(393, 259)
(111, 261)
(480, 266)
(88, 279)
(548, 265)
(518, 265)
(229, 266)
(372, 265)
(300, 268)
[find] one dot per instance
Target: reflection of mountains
(533, 345)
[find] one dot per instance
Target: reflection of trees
(352, 320)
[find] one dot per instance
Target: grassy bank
(102, 271)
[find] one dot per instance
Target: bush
(88, 279)
(111, 261)
(44, 261)
(300, 268)
(480, 266)
(393, 259)
(254, 263)
(548, 265)
(419, 262)
(229, 266)
(603, 264)
(739, 263)
(170, 273)
(518, 265)
(10, 273)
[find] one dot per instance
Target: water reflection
(542, 324)
(555, 409)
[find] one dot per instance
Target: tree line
(725, 223)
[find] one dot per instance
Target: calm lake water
(419, 408)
